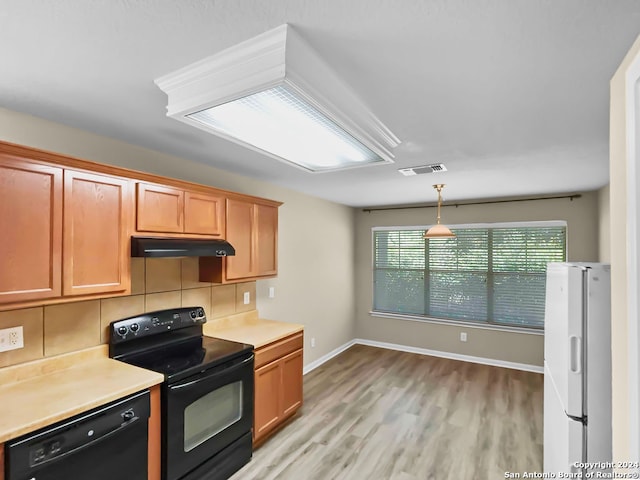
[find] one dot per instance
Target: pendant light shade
(438, 230)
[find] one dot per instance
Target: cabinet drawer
(278, 349)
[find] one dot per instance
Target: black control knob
(128, 415)
(200, 312)
(193, 314)
(122, 330)
(134, 327)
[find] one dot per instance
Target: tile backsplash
(71, 326)
(156, 283)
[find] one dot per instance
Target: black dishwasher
(107, 443)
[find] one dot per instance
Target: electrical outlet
(247, 298)
(313, 342)
(463, 336)
(11, 339)
(272, 292)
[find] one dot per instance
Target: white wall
(624, 349)
(315, 284)
(604, 225)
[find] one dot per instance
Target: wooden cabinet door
(203, 214)
(291, 382)
(159, 209)
(267, 398)
(266, 218)
(31, 229)
(154, 430)
(240, 233)
(97, 217)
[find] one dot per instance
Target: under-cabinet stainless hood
(179, 247)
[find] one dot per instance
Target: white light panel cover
(274, 94)
(281, 123)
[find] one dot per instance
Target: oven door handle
(206, 378)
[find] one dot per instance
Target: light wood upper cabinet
(97, 226)
(160, 209)
(31, 226)
(165, 209)
(252, 230)
(241, 234)
(203, 213)
(65, 232)
(266, 219)
(66, 225)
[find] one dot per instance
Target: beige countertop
(248, 328)
(39, 393)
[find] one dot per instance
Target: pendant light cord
(438, 187)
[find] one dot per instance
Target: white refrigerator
(577, 368)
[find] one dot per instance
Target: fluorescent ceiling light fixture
(282, 124)
(275, 95)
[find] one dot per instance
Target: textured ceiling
(511, 95)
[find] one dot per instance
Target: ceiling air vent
(435, 168)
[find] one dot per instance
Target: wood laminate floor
(372, 413)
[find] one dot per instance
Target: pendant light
(439, 231)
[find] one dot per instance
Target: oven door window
(211, 414)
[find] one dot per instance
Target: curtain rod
(570, 197)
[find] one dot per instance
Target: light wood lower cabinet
(154, 451)
(267, 409)
(292, 380)
(278, 385)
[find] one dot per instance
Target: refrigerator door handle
(575, 353)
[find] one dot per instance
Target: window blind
(491, 274)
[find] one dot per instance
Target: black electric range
(207, 396)
(187, 357)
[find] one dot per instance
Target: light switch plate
(272, 292)
(247, 298)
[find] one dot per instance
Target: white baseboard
(423, 351)
(325, 358)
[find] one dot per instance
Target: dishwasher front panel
(106, 443)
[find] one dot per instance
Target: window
(493, 274)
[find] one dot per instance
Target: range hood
(179, 247)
